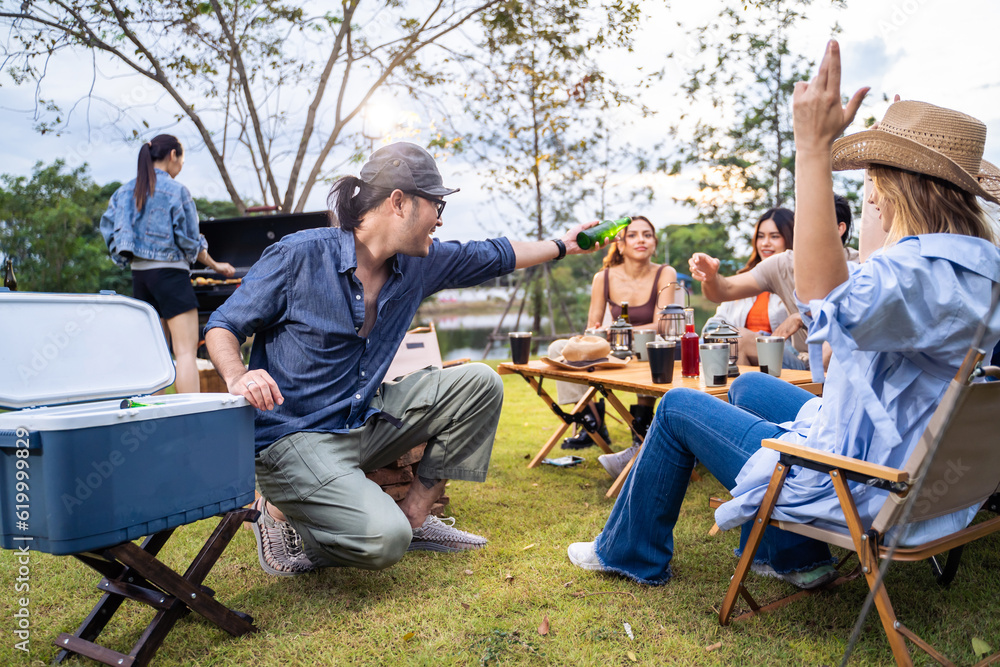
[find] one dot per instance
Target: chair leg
(736, 587)
(868, 556)
(945, 575)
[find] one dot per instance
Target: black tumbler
(661, 360)
(520, 346)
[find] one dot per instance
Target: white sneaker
(615, 463)
(583, 554)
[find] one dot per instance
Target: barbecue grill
(241, 242)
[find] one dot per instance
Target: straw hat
(584, 353)
(928, 140)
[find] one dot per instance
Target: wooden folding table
(633, 378)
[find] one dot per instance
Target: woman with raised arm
(151, 225)
(899, 326)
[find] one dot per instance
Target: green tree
(741, 66)
(266, 83)
(542, 136)
(209, 210)
(50, 226)
(712, 238)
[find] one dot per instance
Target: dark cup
(661, 360)
(520, 346)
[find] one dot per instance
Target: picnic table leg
(620, 408)
(579, 407)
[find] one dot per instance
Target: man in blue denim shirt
(330, 307)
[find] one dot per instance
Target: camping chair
(964, 429)
(419, 349)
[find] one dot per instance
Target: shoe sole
(260, 548)
(434, 546)
(574, 446)
(604, 464)
(593, 567)
(767, 571)
(824, 580)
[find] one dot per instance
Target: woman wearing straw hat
(899, 326)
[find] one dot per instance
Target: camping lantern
(670, 325)
(726, 333)
(620, 338)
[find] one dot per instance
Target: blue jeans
(689, 425)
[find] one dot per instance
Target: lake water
(465, 336)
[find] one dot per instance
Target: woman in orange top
(772, 234)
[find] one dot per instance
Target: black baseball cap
(406, 167)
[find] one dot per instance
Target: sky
(938, 51)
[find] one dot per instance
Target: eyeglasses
(439, 203)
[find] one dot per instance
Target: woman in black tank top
(629, 275)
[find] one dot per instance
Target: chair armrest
(991, 371)
(716, 503)
(838, 461)
(455, 362)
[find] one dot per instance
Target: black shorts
(169, 291)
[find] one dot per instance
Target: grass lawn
(486, 607)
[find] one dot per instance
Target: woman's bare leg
(184, 340)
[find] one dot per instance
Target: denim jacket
(165, 230)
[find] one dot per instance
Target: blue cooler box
(80, 472)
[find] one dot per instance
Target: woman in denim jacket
(151, 225)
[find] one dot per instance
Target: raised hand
(819, 117)
(703, 267)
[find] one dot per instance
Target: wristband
(562, 249)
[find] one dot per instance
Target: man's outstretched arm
(530, 253)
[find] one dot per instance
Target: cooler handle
(20, 438)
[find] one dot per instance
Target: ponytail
(152, 151)
(350, 198)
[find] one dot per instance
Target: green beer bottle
(608, 229)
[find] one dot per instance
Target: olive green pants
(318, 479)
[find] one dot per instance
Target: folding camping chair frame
(867, 543)
(134, 573)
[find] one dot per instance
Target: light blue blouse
(899, 328)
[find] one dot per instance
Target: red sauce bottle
(689, 346)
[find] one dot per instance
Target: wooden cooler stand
(75, 358)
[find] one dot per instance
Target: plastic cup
(661, 360)
(770, 351)
(520, 346)
(715, 363)
(639, 339)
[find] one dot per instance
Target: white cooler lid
(67, 348)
